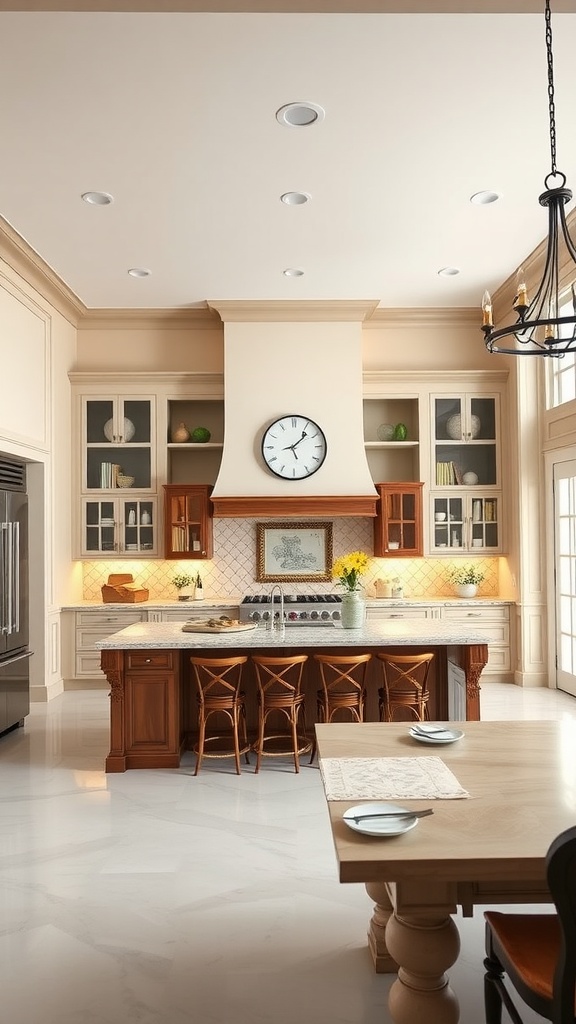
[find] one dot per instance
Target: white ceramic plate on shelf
(383, 827)
(447, 735)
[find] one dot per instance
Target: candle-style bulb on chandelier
(538, 330)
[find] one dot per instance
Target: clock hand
(304, 434)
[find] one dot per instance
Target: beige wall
(160, 347)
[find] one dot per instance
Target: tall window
(562, 372)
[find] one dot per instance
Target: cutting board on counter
(205, 627)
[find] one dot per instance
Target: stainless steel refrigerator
(14, 651)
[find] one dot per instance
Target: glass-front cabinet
(119, 526)
(465, 441)
(187, 521)
(466, 523)
(118, 443)
(398, 523)
(465, 482)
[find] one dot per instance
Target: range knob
(265, 616)
(335, 615)
(314, 615)
(325, 615)
(254, 616)
(292, 616)
(304, 615)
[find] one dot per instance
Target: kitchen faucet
(272, 624)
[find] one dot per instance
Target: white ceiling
(174, 115)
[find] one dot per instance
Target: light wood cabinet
(81, 630)
(187, 522)
(398, 523)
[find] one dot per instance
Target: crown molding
(291, 6)
(211, 384)
(428, 316)
(197, 317)
(25, 261)
(292, 311)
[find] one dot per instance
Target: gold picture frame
(294, 552)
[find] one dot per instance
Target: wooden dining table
(487, 848)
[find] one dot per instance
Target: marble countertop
(163, 604)
(410, 632)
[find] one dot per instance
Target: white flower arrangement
(466, 574)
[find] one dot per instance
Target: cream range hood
(283, 358)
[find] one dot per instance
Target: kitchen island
(152, 703)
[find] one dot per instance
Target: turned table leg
(424, 945)
(383, 909)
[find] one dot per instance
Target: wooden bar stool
(405, 678)
(218, 682)
(280, 696)
(343, 693)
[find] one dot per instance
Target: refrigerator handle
(3, 577)
(10, 579)
(14, 624)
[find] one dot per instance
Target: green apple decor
(200, 435)
(400, 432)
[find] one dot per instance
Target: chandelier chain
(551, 108)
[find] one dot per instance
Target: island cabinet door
(152, 709)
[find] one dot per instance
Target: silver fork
(390, 814)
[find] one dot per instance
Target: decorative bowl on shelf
(385, 432)
(470, 479)
(124, 481)
(129, 431)
(454, 427)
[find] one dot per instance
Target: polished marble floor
(159, 898)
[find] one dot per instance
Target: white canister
(145, 518)
(476, 511)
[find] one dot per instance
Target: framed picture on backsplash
(293, 552)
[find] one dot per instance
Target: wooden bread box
(121, 589)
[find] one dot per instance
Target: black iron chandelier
(538, 330)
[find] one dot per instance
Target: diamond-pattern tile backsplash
(232, 571)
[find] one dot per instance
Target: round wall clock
(293, 447)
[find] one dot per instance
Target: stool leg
(294, 731)
(244, 731)
(236, 743)
(201, 736)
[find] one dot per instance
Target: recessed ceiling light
(98, 198)
(293, 272)
(448, 272)
(295, 198)
(300, 115)
(484, 198)
(139, 272)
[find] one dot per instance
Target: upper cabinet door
(465, 446)
(398, 523)
(118, 450)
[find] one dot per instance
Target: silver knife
(389, 814)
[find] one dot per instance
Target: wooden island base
(153, 701)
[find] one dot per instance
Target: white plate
(383, 827)
(446, 736)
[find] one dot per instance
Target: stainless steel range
(303, 610)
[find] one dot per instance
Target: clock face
(293, 447)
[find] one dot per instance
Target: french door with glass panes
(564, 477)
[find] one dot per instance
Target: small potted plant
(466, 579)
(184, 584)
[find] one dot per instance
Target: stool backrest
(406, 673)
(218, 677)
(279, 677)
(341, 674)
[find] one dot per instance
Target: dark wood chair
(536, 951)
(218, 691)
(280, 699)
(405, 686)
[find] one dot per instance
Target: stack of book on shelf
(448, 473)
(490, 510)
(109, 475)
(179, 538)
